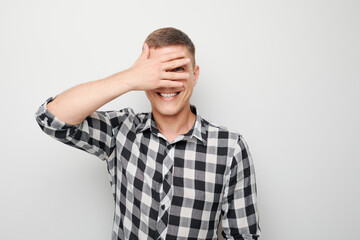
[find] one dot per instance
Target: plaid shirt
(163, 190)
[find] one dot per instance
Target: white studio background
(285, 74)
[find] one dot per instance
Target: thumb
(145, 51)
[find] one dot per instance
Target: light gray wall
(285, 74)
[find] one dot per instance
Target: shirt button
(167, 176)
(163, 206)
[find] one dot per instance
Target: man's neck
(175, 125)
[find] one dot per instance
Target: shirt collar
(198, 130)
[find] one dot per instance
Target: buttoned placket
(166, 190)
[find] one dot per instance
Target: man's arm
(72, 117)
(75, 104)
(239, 208)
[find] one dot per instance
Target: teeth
(168, 95)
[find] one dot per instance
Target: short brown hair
(170, 36)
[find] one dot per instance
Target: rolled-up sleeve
(239, 209)
(94, 135)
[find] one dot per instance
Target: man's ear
(196, 74)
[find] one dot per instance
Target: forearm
(75, 104)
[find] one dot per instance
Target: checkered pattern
(165, 190)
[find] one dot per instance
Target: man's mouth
(168, 95)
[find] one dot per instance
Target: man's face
(173, 101)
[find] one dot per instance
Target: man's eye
(177, 69)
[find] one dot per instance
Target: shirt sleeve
(94, 135)
(239, 208)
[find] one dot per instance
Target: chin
(166, 106)
(168, 110)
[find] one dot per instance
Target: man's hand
(152, 73)
(75, 104)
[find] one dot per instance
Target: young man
(173, 174)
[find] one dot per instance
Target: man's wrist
(121, 81)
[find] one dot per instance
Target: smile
(168, 95)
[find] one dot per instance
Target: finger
(171, 56)
(168, 84)
(145, 51)
(174, 75)
(174, 64)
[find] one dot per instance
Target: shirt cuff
(44, 116)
